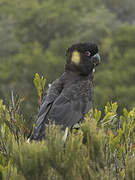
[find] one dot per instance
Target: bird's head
(82, 58)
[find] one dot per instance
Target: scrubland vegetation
(34, 35)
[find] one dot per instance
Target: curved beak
(96, 59)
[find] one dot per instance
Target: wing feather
(68, 112)
(51, 95)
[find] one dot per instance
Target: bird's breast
(78, 89)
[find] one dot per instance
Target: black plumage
(69, 97)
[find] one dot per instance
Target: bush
(102, 148)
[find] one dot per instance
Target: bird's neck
(77, 74)
(80, 71)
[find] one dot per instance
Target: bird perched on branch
(69, 97)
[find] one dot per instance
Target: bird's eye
(87, 53)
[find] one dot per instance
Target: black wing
(51, 95)
(68, 112)
(63, 105)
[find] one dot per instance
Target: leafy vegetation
(100, 149)
(35, 34)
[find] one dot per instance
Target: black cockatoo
(69, 97)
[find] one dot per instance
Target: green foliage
(119, 139)
(35, 34)
(54, 159)
(131, 169)
(125, 10)
(114, 78)
(40, 85)
(13, 127)
(31, 160)
(100, 149)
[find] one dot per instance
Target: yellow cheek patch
(75, 57)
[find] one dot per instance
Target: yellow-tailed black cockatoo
(70, 96)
